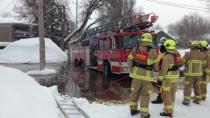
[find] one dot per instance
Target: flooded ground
(81, 82)
(84, 82)
(88, 83)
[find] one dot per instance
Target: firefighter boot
(186, 103)
(134, 112)
(196, 101)
(159, 99)
(145, 116)
(204, 98)
(166, 114)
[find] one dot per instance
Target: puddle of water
(88, 83)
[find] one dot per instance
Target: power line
(181, 5)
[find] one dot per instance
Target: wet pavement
(89, 83)
(81, 82)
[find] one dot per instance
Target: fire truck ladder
(137, 22)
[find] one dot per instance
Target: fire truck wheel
(106, 70)
(81, 62)
(106, 74)
(76, 62)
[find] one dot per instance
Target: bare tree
(116, 9)
(57, 23)
(158, 27)
(92, 5)
(190, 27)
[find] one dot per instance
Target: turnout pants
(142, 90)
(169, 87)
(188, 84)
(204, 83)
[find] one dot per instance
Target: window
(104, 43)
(129, 41)
(107, 43)
(101, 44)
(113, 43)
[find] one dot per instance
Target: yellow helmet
(204, 43)
(170, 44)
(146, 37)
(194, 44)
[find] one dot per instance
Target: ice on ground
(45, 71)
(23, 97)
(27, 51)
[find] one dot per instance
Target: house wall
(10, 32)
(5, 33)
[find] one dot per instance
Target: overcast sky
(170, 14)
(167, 14)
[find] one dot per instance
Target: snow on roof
(27, 51)
(12, 20)
(23, 97)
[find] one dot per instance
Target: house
(10, 32)
(161, 34)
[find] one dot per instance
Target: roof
(13, 20)
(161, 34)
(17, 24)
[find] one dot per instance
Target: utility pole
(41, 34)
(76, 13)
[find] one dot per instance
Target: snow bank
(23, 97)
(96, 110)
(27, 51)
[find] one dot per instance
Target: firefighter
(159, 99)
(169, 74)
(194, 62)
(141, 60)
(206, 74)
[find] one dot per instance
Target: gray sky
(167, 14)
(170, 14)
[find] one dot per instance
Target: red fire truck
(110, 44)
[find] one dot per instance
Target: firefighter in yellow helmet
(141, 60)
(169, 75)
(206, 74)
(194, 62)
(158, 61)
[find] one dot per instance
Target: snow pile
(27, 51)
(96, 110)
(45, 71)
(23, 97)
